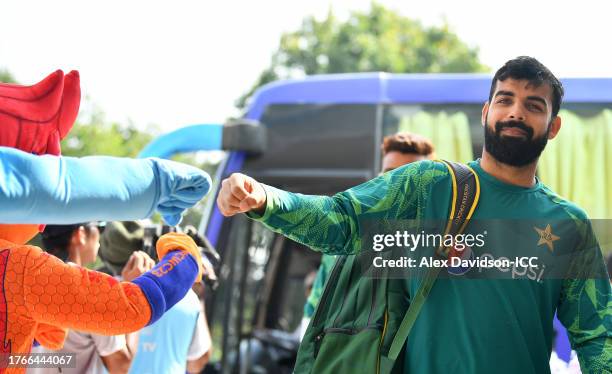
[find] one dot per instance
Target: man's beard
(512, 150)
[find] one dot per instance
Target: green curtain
(450, 134)
(578, 165)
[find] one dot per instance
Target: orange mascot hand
(49, 336)
(177, 241)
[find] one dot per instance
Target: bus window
(317, 148)
(577, 164)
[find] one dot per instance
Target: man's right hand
(240, 194)
(138, 264)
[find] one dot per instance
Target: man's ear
(485, 111)
(79, 237)
(555, 126)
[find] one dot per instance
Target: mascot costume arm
(63, 190)
(40, 294)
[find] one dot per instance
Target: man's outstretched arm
(60, 190)
(333, 225)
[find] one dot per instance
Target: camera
(153, 232)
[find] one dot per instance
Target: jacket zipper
(317, 316)
(332, 279)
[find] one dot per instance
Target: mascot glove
(181, 186)
(178, 241)
(50, 336)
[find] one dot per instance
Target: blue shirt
(163, 346)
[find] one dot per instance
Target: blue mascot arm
(62, 190)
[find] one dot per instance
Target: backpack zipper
(346, 331)
(338, 330)
(326, 291)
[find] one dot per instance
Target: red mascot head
(35, 119)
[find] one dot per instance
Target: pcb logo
(546, 237)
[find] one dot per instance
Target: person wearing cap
(117, 243)
(179, 341)
(78, 244)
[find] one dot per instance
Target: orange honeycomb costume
(41, 296)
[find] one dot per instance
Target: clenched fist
(240, 194)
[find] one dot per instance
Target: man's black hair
(56, 238)
(532, 70)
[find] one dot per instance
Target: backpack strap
(466, 192)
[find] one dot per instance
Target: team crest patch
(546, 237)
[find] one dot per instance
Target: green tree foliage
(96, 136)
(6, 76)
(378, 40)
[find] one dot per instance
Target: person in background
(403, 148)
(79, 244)
(179, 341)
